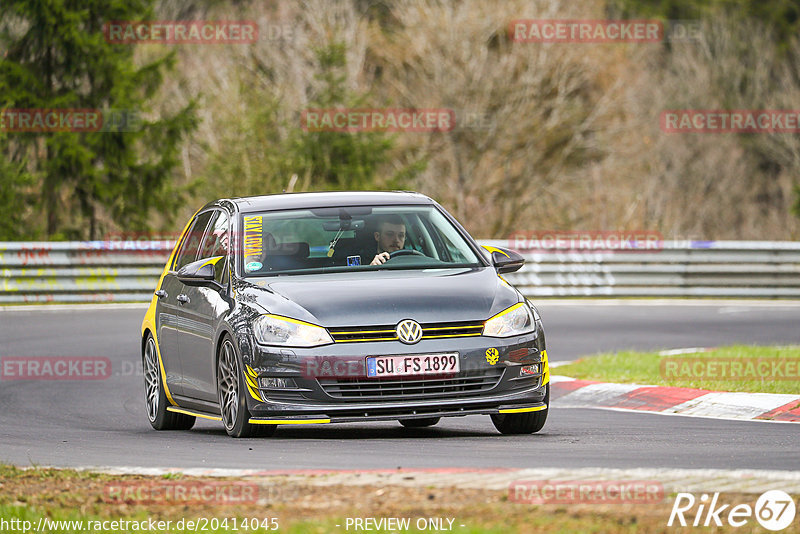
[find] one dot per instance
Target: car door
(202, 312)
(168, 322)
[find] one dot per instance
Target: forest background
(556, 136)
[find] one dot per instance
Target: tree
(14, 182)
(57, 58)
(266, 150)
(781, 16)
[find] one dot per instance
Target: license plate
(413, 364)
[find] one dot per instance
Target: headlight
(513, 321)
(277, 330)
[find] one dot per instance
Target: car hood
(383, 297)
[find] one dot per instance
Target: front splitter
(324, 419)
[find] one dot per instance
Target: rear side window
(191, 241)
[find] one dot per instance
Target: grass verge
(735, 368)
(302, 507)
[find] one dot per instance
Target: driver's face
(390, 237)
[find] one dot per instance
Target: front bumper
(413, 414)
(340, 392)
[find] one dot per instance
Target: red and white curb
(568, 392)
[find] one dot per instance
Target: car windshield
(349, 238)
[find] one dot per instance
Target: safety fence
(103, 271)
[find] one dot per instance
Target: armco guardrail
(676, 269)
(102, 271)
(82, 271)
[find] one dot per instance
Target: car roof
(325, 200)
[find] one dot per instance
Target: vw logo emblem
(409, 331)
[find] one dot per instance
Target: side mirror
(198, 273)
(506, 260)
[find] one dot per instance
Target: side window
(191, 242)
(215, 245)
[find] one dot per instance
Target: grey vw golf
(315, 308)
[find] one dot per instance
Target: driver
(389, 237)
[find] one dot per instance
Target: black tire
(523, 423)
(155, 397)
(232, 391)
(419, 423)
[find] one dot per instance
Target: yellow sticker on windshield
(253, 240)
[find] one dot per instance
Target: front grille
(390, 389)
(387, 332)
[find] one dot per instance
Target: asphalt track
(102, 422)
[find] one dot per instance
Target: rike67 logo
(774, 510)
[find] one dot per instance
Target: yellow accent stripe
(452, 327)
(253, 394)
(362, 340)
(454, 335)
(213, 261)
(194, 414)
(289, 421)
(163, 372)
(507, 310)
(363, 332)
(520, 410)
(335, 333)
(289, 319)
(367, 339)
(546, 371)
(495, 249)
(250, 371)
(250, 382)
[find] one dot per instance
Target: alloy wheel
(228, 384)
(152, 382)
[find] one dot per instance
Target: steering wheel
(405, 252)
